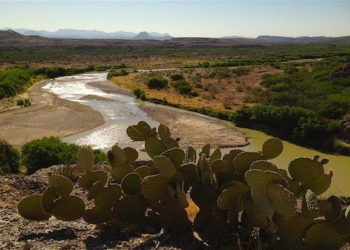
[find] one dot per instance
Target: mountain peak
(143, 35)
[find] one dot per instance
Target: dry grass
(214, 93)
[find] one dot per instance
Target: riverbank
(47, 116)
(51, 116)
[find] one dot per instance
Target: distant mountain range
(97, 35)
(92, 34)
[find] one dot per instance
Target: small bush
(49, 151)
(157, 83)
(9, 158)
(182, 87)
(240, 71)
(177, 77)
(24, 102)
(139, 93)
(112, 73)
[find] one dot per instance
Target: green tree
(9, 158)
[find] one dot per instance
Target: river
(121, 111)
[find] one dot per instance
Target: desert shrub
(139, 93)
(205, 64)
(157, 83)
(177, 77)
(182, 87)
(279, 87)
(23, 102)
(9, 158)
(121, 72)
(102, 68)
(290, 69)
(49, 151)
(269, 79)
(240, 71)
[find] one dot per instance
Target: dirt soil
(51, 116)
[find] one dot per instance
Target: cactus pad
(310, 206)
(118, 173)
(320, 185)
(155, 187)
(293, 229)
(305, 169)
(85, 159)
(231, 156)
(219, 166)
(264, 165)
(335, 212)
(323, 236)
(176, 155)
(165, 166)
(190, 171)
(108, 196)
(154, 147)
(116, 156)
(205, 150)
(282, 200)
(94, 190)
(96, 215)
(259, 181)
(48, 198)
(132, 209)
(62, 184)
(180, 195)
(342, 226)
(164, 133)
(31, 209)
(142, 171)
(68, 208)
(139, 132)
(216, 155)
(131, 184)
(87, 180)
(230, 195)
(131, 154)
(242, 161)
(272, 148)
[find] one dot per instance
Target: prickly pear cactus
(239, 193)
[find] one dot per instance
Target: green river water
(340, 164)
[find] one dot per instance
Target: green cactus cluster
(236, 193)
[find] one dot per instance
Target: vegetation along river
(121, 111)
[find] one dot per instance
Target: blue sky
(183, 18)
